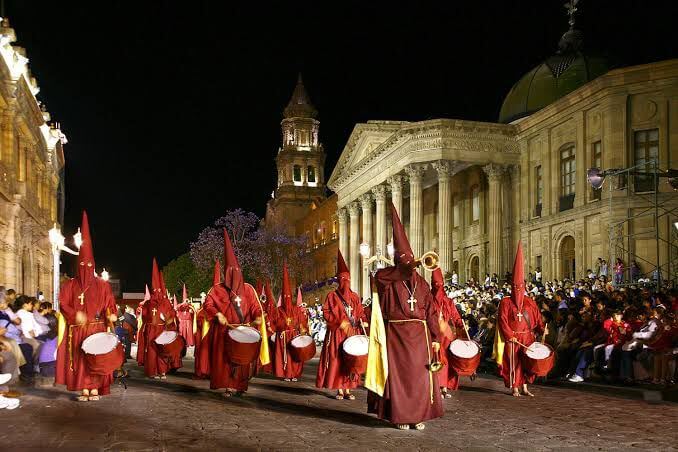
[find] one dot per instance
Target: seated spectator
(48, 350)
(618, 331)
(9, 323)
(41, 322)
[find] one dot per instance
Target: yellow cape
(498, 347)
(377, 358)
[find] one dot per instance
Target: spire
(572, 39)
(300, 105)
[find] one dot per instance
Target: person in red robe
(157, 316)
(290, 321)
(87, 306)
(411, 393)
(201, 352)
(518, 320)
(185, 315)
(227, 306)
(345, 317)
(268, 304)
(450, 321)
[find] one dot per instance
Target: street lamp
(104, 275)
(57, 240)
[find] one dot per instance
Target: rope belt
(428, 350)
(70, 341)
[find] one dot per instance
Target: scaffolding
(640, 203)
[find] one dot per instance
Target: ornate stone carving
(354, 208)
(396, 182)
(494, 171)
(444, 168)
(379, 192)
(366, 201)
(342, 214)
(415, 171)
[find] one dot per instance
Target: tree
(182, 271)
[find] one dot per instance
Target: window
(596, 162)
(567, 178)
(646, 149)
(297, 174)
(456, 217)
(475, 204)
(538, 190)
(311, 174)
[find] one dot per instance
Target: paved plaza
(181, 413)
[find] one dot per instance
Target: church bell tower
(300, 162)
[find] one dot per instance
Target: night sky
(172, 109)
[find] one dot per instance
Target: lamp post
(377, 261)
(57, 240)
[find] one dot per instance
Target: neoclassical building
(471, 190)
(31, 165)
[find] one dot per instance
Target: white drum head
(463, 348)
(538, 351)
(4, 378)
(166, 337)
(302, 341)
(244, 335)
(357, 345)
(100, 343)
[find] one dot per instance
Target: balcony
(566, 202)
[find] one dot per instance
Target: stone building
(299, 201)
(470, 190)
(31, 165)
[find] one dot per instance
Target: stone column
(354, 247)
(379, 193)
(342, 216)
(415, 172)
(396, 182)
(366, 204)
(444, 169)
(494, 175)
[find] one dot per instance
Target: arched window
(296, 175)
(311, 174)
(323, 233)
(475, 203)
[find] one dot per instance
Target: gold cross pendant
(350, 310)
(520, 316)
(81, 297)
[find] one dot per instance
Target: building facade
(31, 169)
(471, 190)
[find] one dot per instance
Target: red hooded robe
(202, 346)
(227, 298)
(332, 373)
(411, 394)
(93, 296)
(290, 321)
(449, 320)
(518, 317)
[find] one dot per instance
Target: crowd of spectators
(28, 342)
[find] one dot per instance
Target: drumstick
(466, 329)
(543, 337)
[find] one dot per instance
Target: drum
(538, 359)
(103, 353)
(302, 348)
(355, 353)
(464, 357)
(242, 345)
(170, 343)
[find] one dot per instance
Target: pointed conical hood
(232, 273)
(286, 291)
(259, 288)
(86, 264)
(156, 281)
(175, 305)
(437, 282)
(300, 298)
(341, 264)
(163, 286)
(147, 294)
(518, 284)
(184, 294)
(269, 294)
(216, 278)
(403, 251)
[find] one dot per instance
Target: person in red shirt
(618, 332)
(519, 320)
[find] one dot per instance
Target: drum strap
(346, 308)
(70, 341)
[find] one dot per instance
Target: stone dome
(555, 77)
